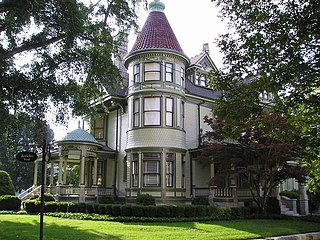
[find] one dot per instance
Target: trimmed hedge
(139, 211)
(6, 185)
(10, 202)
(145, 199)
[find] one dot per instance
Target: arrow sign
(26, 156)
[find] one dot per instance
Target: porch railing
(72, 191)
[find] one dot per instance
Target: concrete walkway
(305, 236)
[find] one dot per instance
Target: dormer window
(152, 71)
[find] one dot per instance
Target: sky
(193, 22)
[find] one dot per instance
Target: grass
(26, 227)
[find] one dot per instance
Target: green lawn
(26, 227)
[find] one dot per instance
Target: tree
(6, 185)
(264, 153)
(22, 136)
(59, 53)
(274, 47)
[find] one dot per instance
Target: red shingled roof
(157, 34)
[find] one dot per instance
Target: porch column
(95, 171)
(35, 173)
(51, 173)
(45, 173)
(304, 205)
(212, 170)
(60, 171)
(82, 162)
(65, 164)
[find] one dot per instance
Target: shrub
(145, 199)
(72, 207)
(201, 211)
(190, 211)
(177, 211)
(10, 202)
(6, 185)
(148, 211)
(293, 194)
(163, 211)
(108, 209)
(62, 206)
(95, 208)
(200, 201)
(106, 200)
(50, 207)
(47, 197)
(273, 206)
(116, 211)
(81, 208)
(89, 208)
(139, 211)
(125, 210)
(32, 206)
(102, 209)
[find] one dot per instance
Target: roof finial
(156, 6)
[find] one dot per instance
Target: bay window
(152, 71)
(136, 112)
(152, 111)
(136, 73)
(169, 72)
(170, 169)
(169, 112)
(135, 170)
(151, 169)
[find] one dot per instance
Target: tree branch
(31, 46)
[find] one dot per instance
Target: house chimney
(205, 48)
(119, 60)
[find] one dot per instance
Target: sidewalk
(305, 236)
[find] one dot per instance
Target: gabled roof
(204, 56)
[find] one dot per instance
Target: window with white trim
(182, 115)
(152, 71)
(169, 72)
(98, 131)
(170, 157)
(182, 76)
(136, 112)
(152, 111)
(151, 169)
(135, 170)
(169, 112)
(183, 170)
(136, 73)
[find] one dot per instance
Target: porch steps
(29, 192)
(286, 211)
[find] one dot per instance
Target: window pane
(169, 119)
(152, 103)
(152, 118)
(152, 76)
(99, 122)
(169, 104)
(152, 66)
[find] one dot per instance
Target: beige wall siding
(156, 137)
(191, 125)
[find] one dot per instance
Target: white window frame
(152, 111)
(169, 72)
(136, 112)
(154, 70)
(151, 169)
(169, 111)
(136, 73)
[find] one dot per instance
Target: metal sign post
(45, 157)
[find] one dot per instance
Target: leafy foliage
(10, 202)
(274, 47)
(263, 153)
(22, 135)
(6, 185)
(59, 52)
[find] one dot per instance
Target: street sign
(26, 156)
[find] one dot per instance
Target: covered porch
(81, 170)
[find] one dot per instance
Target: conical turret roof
(157, 34)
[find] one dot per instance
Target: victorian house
(146, 134)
